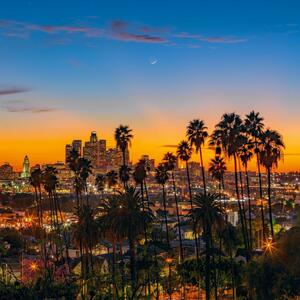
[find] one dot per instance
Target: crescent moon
(153, 62)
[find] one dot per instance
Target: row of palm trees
(127, 215)
(234, 138)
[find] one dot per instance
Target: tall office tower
(76, 145)
(67, 152)
(93, 137)
(26, 168)
(95, 151)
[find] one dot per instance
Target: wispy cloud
(130, 32)
(117, 30)
(13, 90)
(22, 29)
(20, 106)
(211, 39)
(131, 37)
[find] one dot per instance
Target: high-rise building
(26, 168)
(67, 152)
(76, 145)
(101, 158)
(95, 151)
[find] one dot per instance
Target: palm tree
(162, 176)
(197, 134)
(82, 232)
(36, 181)
(73, 161)
(123, 139)
(208, 216)
(100, 183)
(217, 168)
(230, 243)
(270, 154)
(112, 178)
(184, 152)
(107, 209)
(229, 136)
(50, 183)
(245, 153)
(139, 175)
(124, 174)
(170, 162)
(128, 220)
(85, 168)
(254, 127)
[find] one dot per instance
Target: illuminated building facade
(26, 168)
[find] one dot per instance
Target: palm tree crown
(112, 178)
(207, 211)
(272, 146)
(217, 168)
(161, 174)
(170, 161)
(229, 134)
(123, 137)
(196, 133)
(254, 124)
(184, 151)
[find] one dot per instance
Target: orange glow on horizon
(44, 141)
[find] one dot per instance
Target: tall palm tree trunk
(146, 193)
(263, 220)
(145, 232)
(249, 207)
(207, 262)
(132, 262)
(203, 171)
(191, 203)
(259, 175)
(261, 195)
(178, 218)
(270, 204)
(239, 203)
(165, 214)
(124, 164)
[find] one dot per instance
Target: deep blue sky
(95, 64)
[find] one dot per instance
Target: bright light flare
(269, 246)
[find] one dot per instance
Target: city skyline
(65, 75)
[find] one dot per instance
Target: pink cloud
(211, 39)
(131, 37)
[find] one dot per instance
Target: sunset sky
(70, 67)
